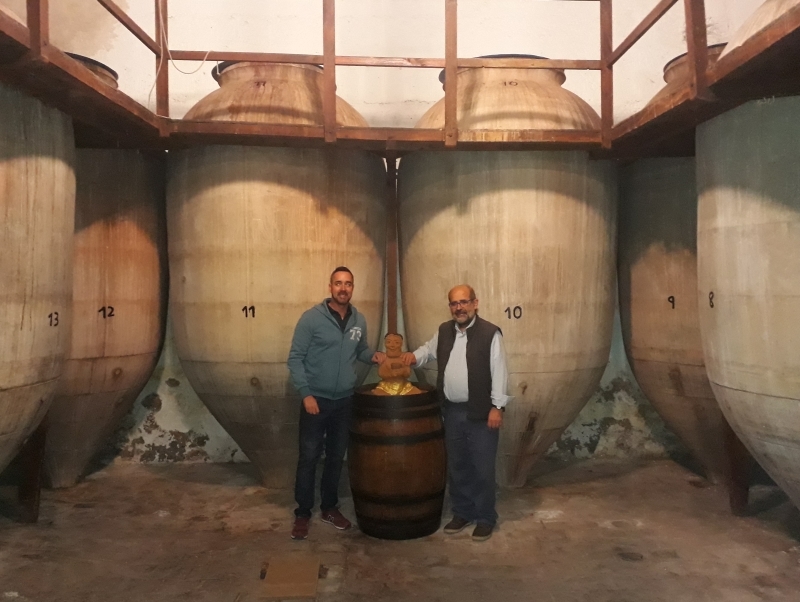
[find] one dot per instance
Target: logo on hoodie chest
(355, 333)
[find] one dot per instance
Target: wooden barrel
(765, 15)
(397, 464)
(38, 211)
(748, 246)
(119, 307)
(534, 233)
(254, 234)
(658, 303)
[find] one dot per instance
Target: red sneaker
(336, 518)
(300, 529)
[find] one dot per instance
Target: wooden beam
(129, 24)
(697, 44)
(388, 134)
(38, 24)
(739, 470)
(183, 133)
(650, 113)
(382, 61)
(31, 461)
(15, 38)
(391, 242)
(651, 19)
(607, 72)
(450, 72)
(162, 58)
(756, 58)
(577, 137)
(329, 69)
(582, 65)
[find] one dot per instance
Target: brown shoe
(456, 524)
(300, 529)
(336, 518)
(482, 532)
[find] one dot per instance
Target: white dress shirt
(456, 384)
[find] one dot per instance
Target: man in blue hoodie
(327, 340)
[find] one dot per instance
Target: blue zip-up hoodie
(322, 358)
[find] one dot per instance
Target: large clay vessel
(119, 299)
(37, 204)
(748, 244)
(254, 234)
(762, 18)
(119, 304)
(534, 233)
(658, 303)
(657, 293)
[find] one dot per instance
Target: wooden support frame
(697, 46)
(329, 69)
(607, 71)
(764, 66)
(162, 58)
(450, 73)
(38, 12)
(31, 463)
(392, 234)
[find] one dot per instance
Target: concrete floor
(596, 532)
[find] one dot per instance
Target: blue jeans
(331, 428)
(471, 452)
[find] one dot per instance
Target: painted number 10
(515, 312)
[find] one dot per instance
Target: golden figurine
(393, 372)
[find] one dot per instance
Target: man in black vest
(472, 382)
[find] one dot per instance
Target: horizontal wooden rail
(367, 61)
(373, 137)
(651, 19)
(129, 24)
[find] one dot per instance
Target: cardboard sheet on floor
(292, 576)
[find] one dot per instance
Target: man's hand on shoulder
(310, 404)
(378, 357)
(495, 418)
(408, 358)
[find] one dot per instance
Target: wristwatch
(502, 409)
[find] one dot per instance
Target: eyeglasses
(462, 303)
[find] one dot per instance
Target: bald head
(462, 291)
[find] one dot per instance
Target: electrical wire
(162, 42)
